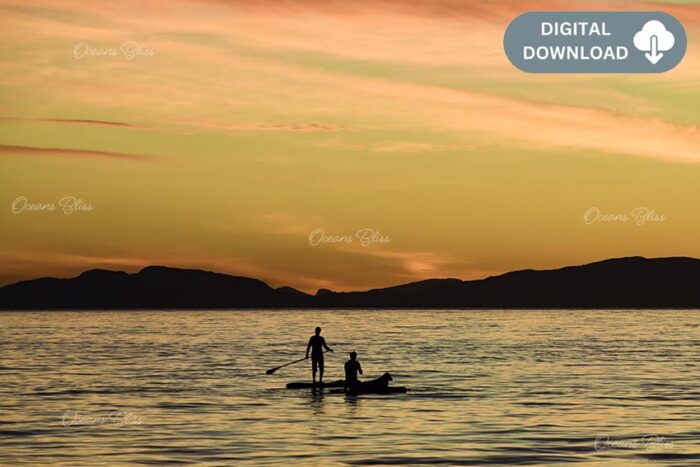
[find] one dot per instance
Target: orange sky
(239, 128)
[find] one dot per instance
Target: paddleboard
(309, 385)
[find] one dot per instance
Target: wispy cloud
(8, 150)
(75, 121)
(260, 126)
(417, 265)
(415, 32)
(416, 148)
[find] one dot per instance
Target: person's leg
(314, 364)
(320, 370)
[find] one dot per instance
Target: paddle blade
(271, 370)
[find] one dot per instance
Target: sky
(220, 135)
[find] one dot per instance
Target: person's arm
(308, 346)
(326, 346)
(359, 368)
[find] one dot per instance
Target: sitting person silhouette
(352, 368)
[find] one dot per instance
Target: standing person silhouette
(316, 345)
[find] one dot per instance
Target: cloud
(417, 265)
(8, 150)
(416, 148)
(260, 126)
(257, 59)
(643, 38)
(75, 121)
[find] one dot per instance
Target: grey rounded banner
(595, 42)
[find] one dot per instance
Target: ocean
(485, 387)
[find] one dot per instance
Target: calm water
(495, 387)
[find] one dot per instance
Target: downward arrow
(654, 58)
(655, 55)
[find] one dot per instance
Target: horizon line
(143, 268)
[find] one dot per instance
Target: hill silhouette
(633, 282)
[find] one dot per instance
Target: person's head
(318, 331)
(353, 355)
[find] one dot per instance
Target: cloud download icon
(654, 38)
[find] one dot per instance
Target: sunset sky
(253, 123)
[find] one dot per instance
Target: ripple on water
(486, 387)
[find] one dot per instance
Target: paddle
(272, 370)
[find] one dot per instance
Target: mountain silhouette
(154, 287)
(633, 282)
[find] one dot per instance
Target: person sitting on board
(316, 345)
(352, 368)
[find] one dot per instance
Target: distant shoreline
(613, 284)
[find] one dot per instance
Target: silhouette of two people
(316, 344)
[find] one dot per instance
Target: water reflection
(317, 395)
(351, 400)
